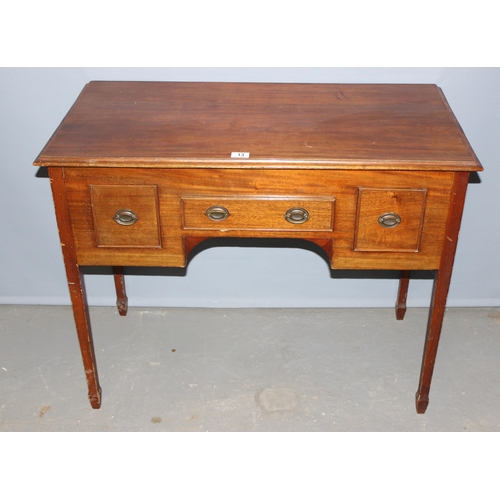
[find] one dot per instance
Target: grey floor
(248, 370)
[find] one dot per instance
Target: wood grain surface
(169, 124)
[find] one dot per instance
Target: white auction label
(238, 154)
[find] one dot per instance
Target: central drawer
(226, 213)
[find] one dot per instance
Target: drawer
(125, 216)
(389, 220)
(253, 213)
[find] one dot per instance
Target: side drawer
(389, 220)
(254, 213)
(125, 216)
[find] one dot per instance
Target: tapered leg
(121, 294)
(436, 315)
(404, 281)
(82, 320)
(76, 285)
(442, 280)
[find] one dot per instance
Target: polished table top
(171, 124)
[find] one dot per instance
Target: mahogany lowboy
(376, 175)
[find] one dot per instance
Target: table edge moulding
(376, 175)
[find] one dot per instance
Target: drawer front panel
(171, 207)
(125, 216)
(253, 213)
(389, 220)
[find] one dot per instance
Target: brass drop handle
(389, 219)
(297, 215)
(125, 217)
(217, 213)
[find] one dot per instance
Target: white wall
(33, 101)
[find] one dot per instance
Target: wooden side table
(376, 175)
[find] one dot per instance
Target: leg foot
(404, 282)
(421, 402)
(95, 399)
(121, 295)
